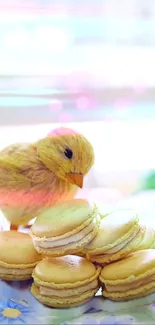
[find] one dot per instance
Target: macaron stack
(131, 277)
(65, 281)
(71, 251)
(119, 234)
(61, 279)
(17, 256)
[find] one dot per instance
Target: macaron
(65, 228)
(119, 233)
(129, 278)
(17, 256)
(143, 240)
(65, 281)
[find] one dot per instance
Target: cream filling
(133, 285)
(117, 248)
(10, 271)
(68, 240)
(67, 292)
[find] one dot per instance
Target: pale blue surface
(16, 295)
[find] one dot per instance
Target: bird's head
(68, 154)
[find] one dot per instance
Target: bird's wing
(11, 175)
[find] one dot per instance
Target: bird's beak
(76, 179)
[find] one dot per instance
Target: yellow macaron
(65, 281)
(129, 278)
(65, 228)
(143, 240)
(119, 233)
(17, 256)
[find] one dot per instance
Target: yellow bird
(36, 176)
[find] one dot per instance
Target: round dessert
(143, 240)
(65, 281)
(65, 228)
(118, 234)
(17, 256)
(130, 278)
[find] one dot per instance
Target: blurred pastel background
(89, 65)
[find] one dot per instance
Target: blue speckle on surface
(114, 320)
(93, 310)
(109, 320)
(89, 321)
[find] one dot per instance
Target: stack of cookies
(131, 277)
(61, 279)
(119, 234)
(72, 251)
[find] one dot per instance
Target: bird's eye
(68, 153)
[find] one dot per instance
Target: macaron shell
(147, 240)
(62, 219)
(12, 277)
(67, 271)
(153, 244)
(141, 295)
(60, 302)
(135, 266)
(108, 258)
(72, 248)
(80, 254)
(113, 230)
(17, 249)
(139, 292)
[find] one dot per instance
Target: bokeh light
(18, 39)
(56, 105)
(139, 90)
(96, 60)
(83, 102)
(65, 117)
(53, 39)
(72, 83)
(122, 104)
